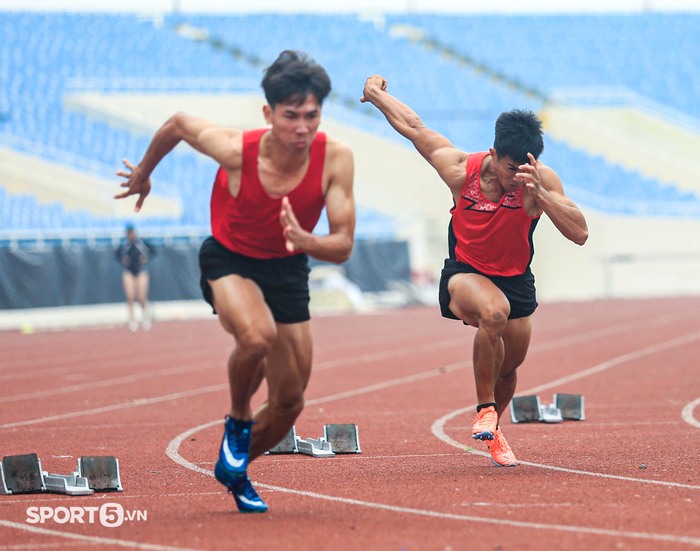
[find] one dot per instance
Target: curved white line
(687, 413)
(173, 453)
(438, 427)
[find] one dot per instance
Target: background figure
(134, 254)
(269, 192)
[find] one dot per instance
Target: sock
(487, 404)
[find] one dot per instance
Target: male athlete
(268, 194)
(498, 197)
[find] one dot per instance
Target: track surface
(627, 477)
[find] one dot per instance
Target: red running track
(627, 477)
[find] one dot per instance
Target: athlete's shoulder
(338, 149)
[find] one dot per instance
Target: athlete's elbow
(581, 237)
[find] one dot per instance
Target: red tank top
(249, 224)
(494, 238)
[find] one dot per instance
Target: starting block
(21, 474)
(316, 447)
(343, 438)
(101, 472)
(72, 484)
(336, 439)
(525, 409)
(571, 406)
(287, 445)
(550, 414)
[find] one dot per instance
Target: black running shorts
(284, 282)
(519, 290)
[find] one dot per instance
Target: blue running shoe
(235, 446)
(247, 499)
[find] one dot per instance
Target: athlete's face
(295, 125)
(506, 169)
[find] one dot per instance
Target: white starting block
(72, 484)
(550, 414)
(526, 409)
(316, 447)
(337, 438)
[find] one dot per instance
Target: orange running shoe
(485, 424)
(501, 454)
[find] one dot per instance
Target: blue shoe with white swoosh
(231, 466)
(235, 445)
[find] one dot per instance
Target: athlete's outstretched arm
(204, 136)
(447, 160)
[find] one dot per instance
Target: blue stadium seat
(42, 55)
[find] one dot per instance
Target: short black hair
(292, 77)
(518, 133)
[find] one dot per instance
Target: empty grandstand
(617, 94)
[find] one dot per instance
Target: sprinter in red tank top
(498, 197)
(268, 194)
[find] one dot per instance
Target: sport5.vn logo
(110, 515)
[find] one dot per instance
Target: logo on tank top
(475, 200)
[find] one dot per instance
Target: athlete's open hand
(530, 177)
(294, 234)
(135, 184)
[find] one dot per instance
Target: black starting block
(570, 405)
(343, 438)
(287, 445)
(102, 472)
(525, 409)
(21, 474)
(336, 439)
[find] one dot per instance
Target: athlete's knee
(508, 373)
(494, 318)
(256, 340)
(287, 406)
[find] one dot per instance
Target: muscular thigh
(472, 296)
(241, 306)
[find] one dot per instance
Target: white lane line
(438, 427)
(114, 407)
(125, 379)
(95, 540)
(224, 386)
(687, 413)
(172, 451)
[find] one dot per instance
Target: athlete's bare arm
(221, 144)
(543, 186)
(447, 160)
(340, 209)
